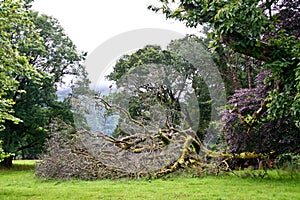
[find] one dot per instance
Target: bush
(248, 130)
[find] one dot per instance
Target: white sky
(89, 23)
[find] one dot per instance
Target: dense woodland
(253, 44)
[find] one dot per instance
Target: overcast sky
(91, 22)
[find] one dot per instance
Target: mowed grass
(21, 165)
(21, 183)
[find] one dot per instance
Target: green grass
(21, 165)
(21, 184)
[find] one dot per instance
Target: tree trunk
(235, 80)
(7, 162)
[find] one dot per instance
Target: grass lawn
(20, 183)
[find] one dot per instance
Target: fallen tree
(153, 155)
(73, 154)
(82, 155)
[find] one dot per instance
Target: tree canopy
(168, 93)
(265, 30)
(265, 115)
(13, 63)
(36, 58)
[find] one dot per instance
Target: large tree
(13, 62)
(264, 30)
(185, 97)
(53, 58)
(263, 116)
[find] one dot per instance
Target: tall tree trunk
(236, 83)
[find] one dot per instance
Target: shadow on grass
(21, 165)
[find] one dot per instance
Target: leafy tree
(145, 96)
(265, 30)
(13, 62)
(53, 58)
(60, 57)
(247, 129)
